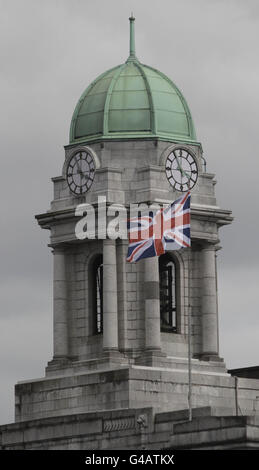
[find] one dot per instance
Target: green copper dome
(132, 100)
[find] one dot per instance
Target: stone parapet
(164, 389)
(136, 429)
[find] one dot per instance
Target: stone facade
(132, 172)
(163, 388)
(97, 383)
(135, 429)
(121, 369)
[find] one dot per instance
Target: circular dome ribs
(108, 99)
(150, 97)
(191, 128)
(132, 101)
(72, 137)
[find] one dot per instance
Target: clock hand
(183, 173)
(87, 177)
(79, 172)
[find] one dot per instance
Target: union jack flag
(167, 229)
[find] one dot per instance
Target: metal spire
(132, 55)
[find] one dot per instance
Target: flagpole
(189, 339)
(189, 332)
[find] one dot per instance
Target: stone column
(122, 248)
(110, 311)
(60, 330)
(209, 302)
(152, 304)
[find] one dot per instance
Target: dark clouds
(50, 51)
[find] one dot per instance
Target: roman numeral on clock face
(80, 172)
(181, 169)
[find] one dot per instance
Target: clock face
(80, 172)
(181, 170)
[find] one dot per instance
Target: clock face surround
(181, 170)
(80, 172)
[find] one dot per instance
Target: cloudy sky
(50, 51)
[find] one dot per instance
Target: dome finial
(132, 55)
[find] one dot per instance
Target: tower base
(75, 390)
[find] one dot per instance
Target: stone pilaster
(209, 305)
(152, 305)
(122, 248)
(60, 336)
(110, 311)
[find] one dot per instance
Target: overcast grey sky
(50, 51)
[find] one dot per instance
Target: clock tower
(121, 329)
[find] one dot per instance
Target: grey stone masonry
(60, 300)
(217, 433)
(123, 277)
(110, 311)
(136, 429)
(154, 363)
(209, 308)
(163, 388)
(152, 305)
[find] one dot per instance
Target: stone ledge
(210, 432)
(137, 386)
(120, 429)
(65, 429)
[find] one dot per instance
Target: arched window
(167, 281)
(97, 274)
